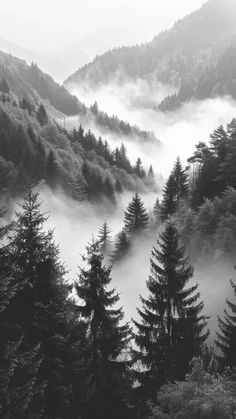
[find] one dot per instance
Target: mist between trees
(67, 349)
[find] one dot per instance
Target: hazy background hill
(196, 57)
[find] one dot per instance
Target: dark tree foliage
(175, 190)
(214, 168)
(136, 217)
(42, 308)
(138, 168)
(106, 366)
(18, 367)
(122, 248)
(226, 337)
(4, 86)
(105, 238)
(41, 114)
(171, 329)
(26, 104)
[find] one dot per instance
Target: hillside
(30, 82)
(193, 57)
(33, 147)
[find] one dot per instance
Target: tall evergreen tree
(104, 238)
(136, 217)
(170, 333)
(41, 115)
(42, 308)
(176, 188)
(18, 367)
(106, 367)
(138, 168)
(226, 337)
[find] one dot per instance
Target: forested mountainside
(33, 147)
(76, 357)
(197, 57)
(30, 82)
(202, 198)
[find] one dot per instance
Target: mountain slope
(190, 56)
(34, 147)
(30, 82)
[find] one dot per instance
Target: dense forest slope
(197, 57)
(30, 82)
(34, 147)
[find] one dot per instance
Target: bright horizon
(50, 26)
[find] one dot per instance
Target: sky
(48, 26)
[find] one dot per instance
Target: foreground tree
(106, 367)
(136, 217)
(42, 307)
(171, 329)
(226, 337)
(18, 367)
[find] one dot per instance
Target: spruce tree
(170, 333)
(122, 248)
(138, 168)
(136, 217)
(176, 189)
(41, 115)
(226, 337)
(42, 308)
(104, 238)
(106, 367)
(18, 367)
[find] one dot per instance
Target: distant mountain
(30, 82)
(197, 57)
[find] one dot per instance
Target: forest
(34, 147)
(67, 350)
(124, 329)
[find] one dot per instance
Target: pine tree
(122, 248)
(41, 115)
(136, 217)
(104, 238)
(52, 172)
(106, 367)
(176, 188)
(226, 337)
(138, 169)
(18, 368)
(42, 308)
(171, 329)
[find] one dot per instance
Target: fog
(75, 224)
(179, 131)
(63, 35)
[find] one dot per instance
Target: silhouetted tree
(104, 238)
(171, 329)
(136, 217)
(41, 115)
(226, 337)
(106, 366)
(176, 188)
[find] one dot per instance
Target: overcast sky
(55, 24)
